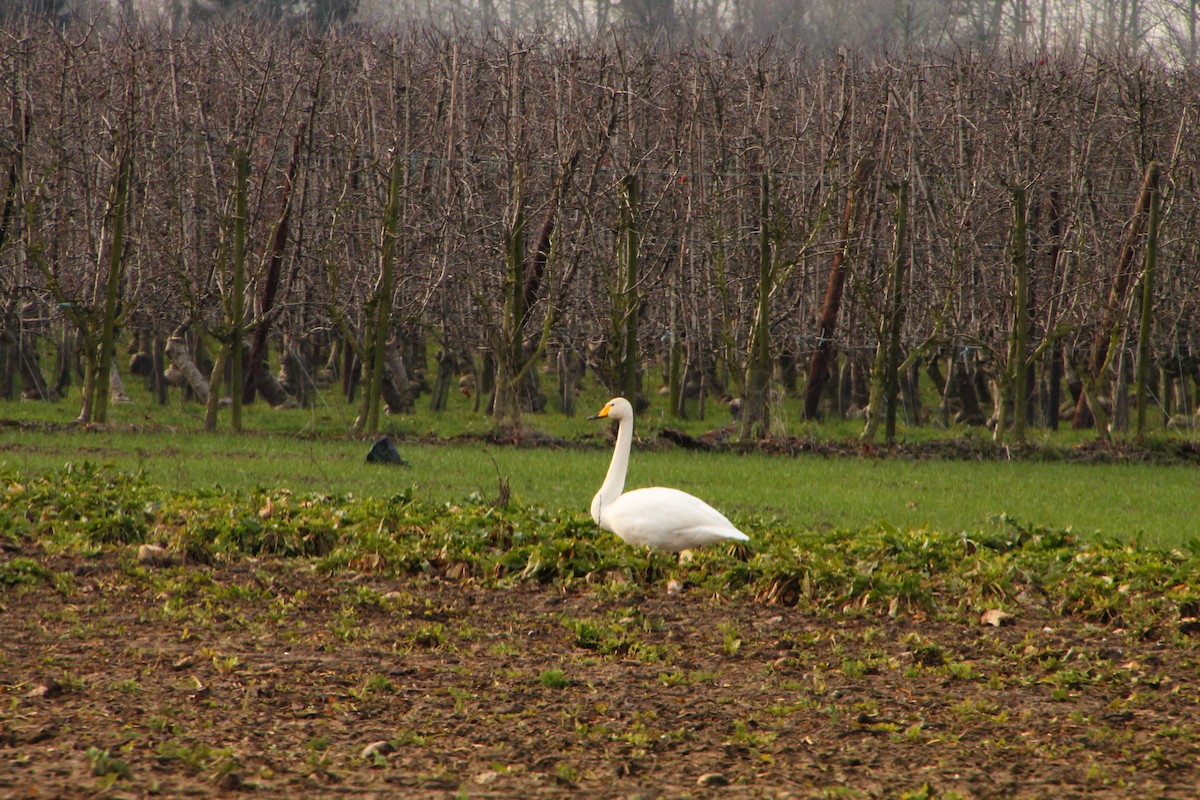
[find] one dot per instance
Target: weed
(25, 570)
(927, 792)
(346, 625)
(913, 734)
(1180, 732)
(1156, 759)
(460, 696)
(731, 640)
(972, 707)
(591, 635)
(318, 762)
(432, 636)
(160, 724)
(638, 735)
(127, 686)
(405, 738)
(503, 650)
(925, 653)
(70, 683)
(866, 708)
(566, 774)
(686, 677)
(854, 668)
(197, 756)
(743, 735)
(1097, 773)
(1071, 678)
(620, 637)
(379, 683)
(106, 768)
(554, 679)
(962, 670)
(225, 665)
(375, 684)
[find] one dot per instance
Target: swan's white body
(658, 517)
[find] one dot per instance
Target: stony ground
(267, 679)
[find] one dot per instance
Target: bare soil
(267, 679)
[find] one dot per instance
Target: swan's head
(618, 408)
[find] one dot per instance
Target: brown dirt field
(265, 679)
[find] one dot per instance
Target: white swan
(665, 519)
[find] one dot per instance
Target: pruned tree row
(254, 211)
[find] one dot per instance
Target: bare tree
(507, 228)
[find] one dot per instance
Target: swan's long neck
(614, 481)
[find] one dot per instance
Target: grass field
(302, 450)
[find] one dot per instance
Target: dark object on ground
(684, 440)
(385, 452)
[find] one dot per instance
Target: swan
(657, 517)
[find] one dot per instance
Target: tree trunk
(1105, 344)
(215, 380)
(8, 352)
(910, 392)
(397, 388)
(1146, 325)
(158, 355)
(116, 390)
(98, 388)
(510, 353)
(566, 380)
(819, 367)
(181, 358)
(630, 257)
(256, 368)
(295, 374)
(351, 371)
(884, 378)
(33, 382)
(440, 395)
(1054, 379)
(756, 407)
(1014, 377)
(368, 418)
(237, 291)
(675, 351)
(271, 389)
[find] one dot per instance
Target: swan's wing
(667, 519)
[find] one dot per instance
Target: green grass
(1155, 502)
(87, 512)
(308, 450)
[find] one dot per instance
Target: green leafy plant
(553, 679)
(106, 768)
